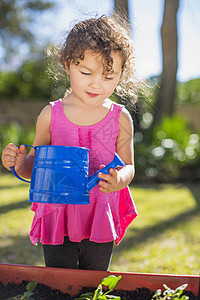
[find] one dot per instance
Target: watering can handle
(94, 179)
(13, 168)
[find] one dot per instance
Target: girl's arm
(14, 156)
(120, 178)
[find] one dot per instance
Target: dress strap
(56, 107)
(117, 108)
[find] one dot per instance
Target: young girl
(98, 57)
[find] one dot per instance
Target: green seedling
(111, 282)
(170, 294)
(29, 292)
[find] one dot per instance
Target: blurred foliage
(30, 82)
(17, 134)
(173, 155)
(17, 18)
(188, 92)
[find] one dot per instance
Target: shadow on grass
(21, 251)
(14, 206)
(195, 191)
(193, 188)
(139, 236)
(13, 186)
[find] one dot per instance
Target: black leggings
(85, 255)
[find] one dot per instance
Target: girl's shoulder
(126, 122)
(45, 112)
(44, 118)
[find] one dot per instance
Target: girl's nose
(94, 82)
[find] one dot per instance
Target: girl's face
(89, 85)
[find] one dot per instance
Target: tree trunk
(165, 100)
(121, 6)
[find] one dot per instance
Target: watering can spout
(94, 179)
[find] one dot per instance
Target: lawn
(164, 238)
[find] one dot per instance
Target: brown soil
(43, 292)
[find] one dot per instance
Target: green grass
(164, 238)
(15, 222)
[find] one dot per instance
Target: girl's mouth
(92, 95)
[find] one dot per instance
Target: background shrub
(16, 134)
(174, 153)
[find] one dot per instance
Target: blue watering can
(61, 175)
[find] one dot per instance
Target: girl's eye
(85, 73)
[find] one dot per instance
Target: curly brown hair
(103, 35)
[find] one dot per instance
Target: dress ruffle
(53, 222)
(127, 212)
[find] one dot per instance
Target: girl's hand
(13, 156)
(109, 182)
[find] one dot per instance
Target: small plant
(29, 292)
(110, 281)
(170, 294)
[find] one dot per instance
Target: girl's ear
(67, 68)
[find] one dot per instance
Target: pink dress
(108, 215)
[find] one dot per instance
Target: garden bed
(71, 282)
